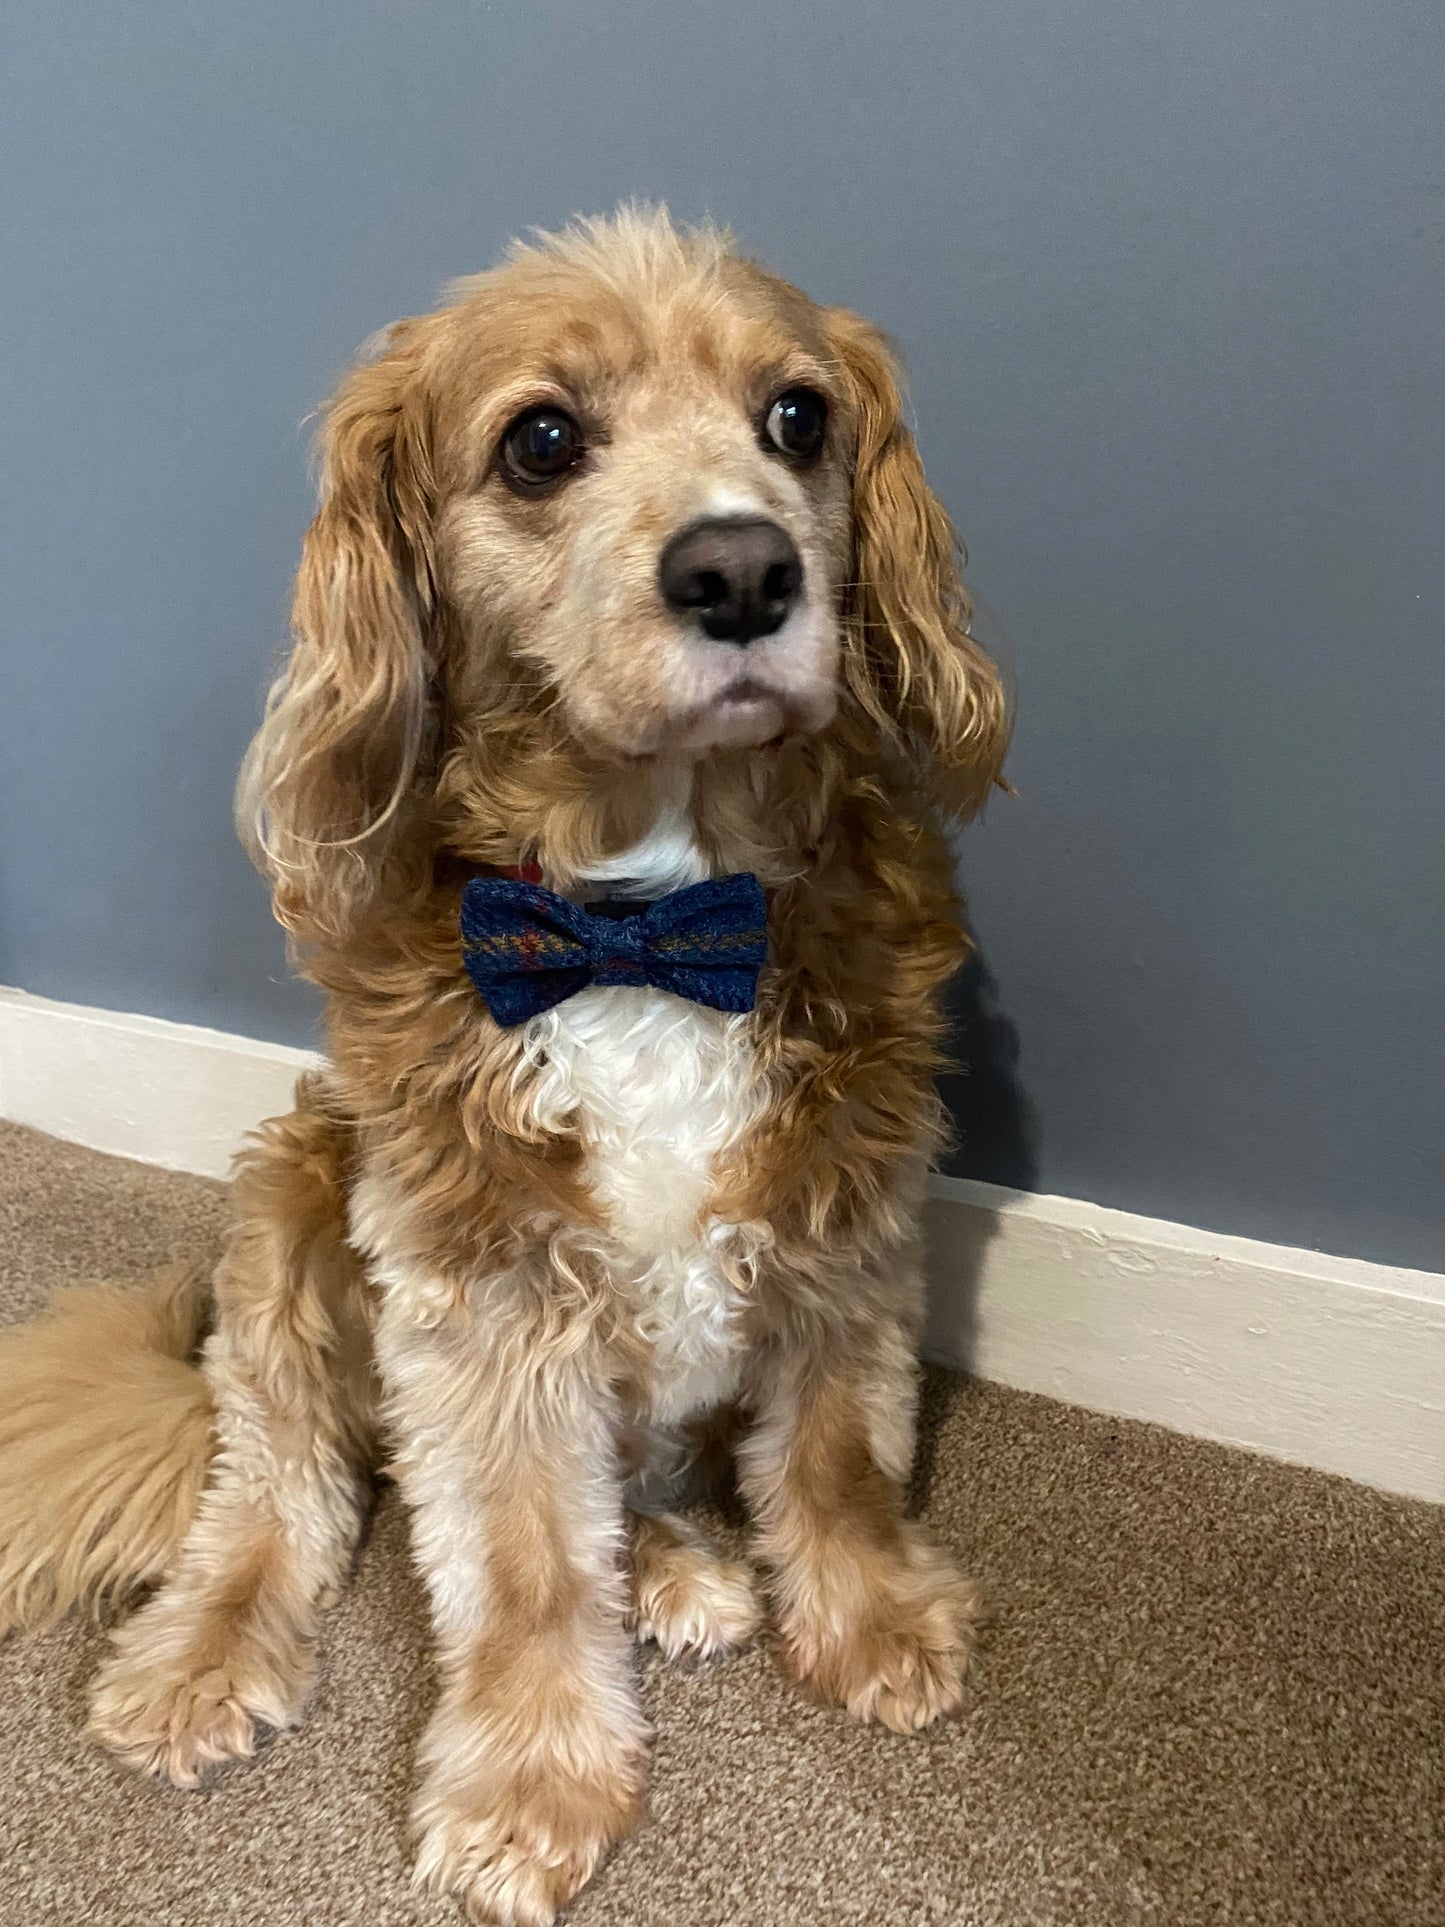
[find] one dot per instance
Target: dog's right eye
(540, 447)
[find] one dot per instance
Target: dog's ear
(911, 663)
(326, 789)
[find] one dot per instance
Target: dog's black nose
(738, 579)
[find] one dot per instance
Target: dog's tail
(105, 1436)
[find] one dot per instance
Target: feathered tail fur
(105, 1436)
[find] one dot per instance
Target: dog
(604, 796)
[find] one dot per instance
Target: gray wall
(1169, 281)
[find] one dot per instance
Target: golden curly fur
(533, 1261)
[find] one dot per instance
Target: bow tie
(527, 949)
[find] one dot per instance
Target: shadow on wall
(995, 1138)
(995, 1127)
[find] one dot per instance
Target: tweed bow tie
(527, 949)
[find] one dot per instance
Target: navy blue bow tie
(527, 949)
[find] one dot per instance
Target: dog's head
(627, 499)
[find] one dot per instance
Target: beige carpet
(1215, 1693)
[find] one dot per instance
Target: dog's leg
(868, 1612)
(695, 1604)
(534, 1761)
(227, 1645)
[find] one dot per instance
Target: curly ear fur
(325, 787)
(911, 663)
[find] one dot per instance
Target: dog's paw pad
(902, 1662)
(177, 1728)
(180, 1694)
(517, 1860)
(695, 1606)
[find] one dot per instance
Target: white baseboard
(170, 1094)
(1330, 1362)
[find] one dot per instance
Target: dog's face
(628, 498)
(649, 516)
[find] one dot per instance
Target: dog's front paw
(173, 1701)
(516, 1850)
(890, 1642)
(693, 1604)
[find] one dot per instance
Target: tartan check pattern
(526, 949)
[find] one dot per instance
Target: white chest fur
(656, 1088)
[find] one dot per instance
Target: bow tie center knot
(618, 953)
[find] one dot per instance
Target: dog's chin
(747, 713)
(743, 719)
(750, 714)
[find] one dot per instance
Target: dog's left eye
(796, 423)
(539, 447)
